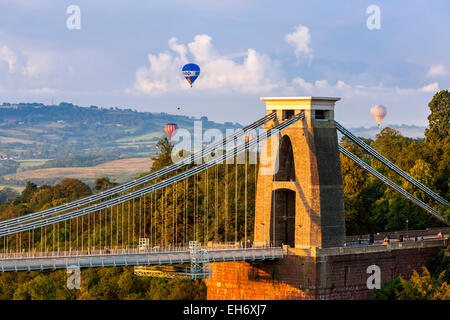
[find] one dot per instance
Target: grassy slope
(118, 169)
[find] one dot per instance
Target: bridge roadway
(28, 261)
(52, 260)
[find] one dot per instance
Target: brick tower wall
(329, 274)
(319, 201)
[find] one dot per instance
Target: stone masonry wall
(329, 274)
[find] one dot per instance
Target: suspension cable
(145, 217)
(173, 215)
(226, 201)
(129, 185)
(159, 185)
(245, 196)
(235, 200)
(216, 214)
(175, 210)
(207, 203)
(185, 214)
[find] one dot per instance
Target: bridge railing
(29, 254)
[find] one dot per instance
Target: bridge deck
(127, 257)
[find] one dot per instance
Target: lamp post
(407, 238)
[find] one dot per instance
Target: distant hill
(38, 131)
(34, 136)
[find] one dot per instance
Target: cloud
(26, 63)
(321, 83)
(432, 87)
(342, 85)
(437, 70)
(302, 84)
(300, 39)
(254, 72)
(318, 86)
(11, 58)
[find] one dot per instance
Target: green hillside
(34, 135)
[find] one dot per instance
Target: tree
(438, 121)
(164, 156)
(102, 184)
(189, 290)
(441, 263)
(129, 285)
(389, 290)
(28, 192)
(437, 138)
(424, 287)
(72, 189)
(8, 194)
(390, 143)
(418, 287)
(39, 288)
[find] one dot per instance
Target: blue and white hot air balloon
(191, 71)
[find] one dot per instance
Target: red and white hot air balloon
(170, 129)
(378, 113)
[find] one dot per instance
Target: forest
(369, 204)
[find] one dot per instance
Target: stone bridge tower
(300, 197)
(300, 203)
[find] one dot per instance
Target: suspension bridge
(281, 188)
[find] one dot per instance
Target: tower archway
(282, 221)
(286, 167)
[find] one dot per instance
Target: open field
(12, 132)
(123, 167)
(29, 163)
(15, 140)
(144, 137)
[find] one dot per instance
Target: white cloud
(342, 85)
(302, 84)
(257, 72)
(300, 39)
(432, 87)
(178, 48)
(318, 85)
(201, 48)
(321, 83)
(39, 63)
(26, 63)
(10, 57)
(437, 70)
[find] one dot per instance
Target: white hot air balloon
(378, 113)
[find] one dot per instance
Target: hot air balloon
(191, 71)
(378, 113)
(170, 129)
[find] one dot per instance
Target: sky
(129, 55)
